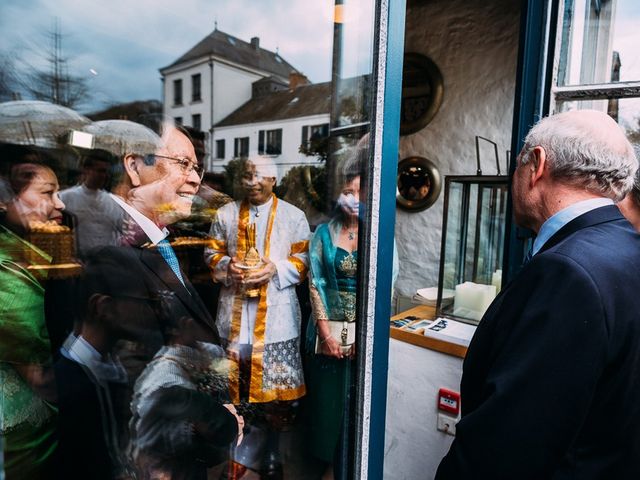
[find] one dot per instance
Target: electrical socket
(447, 423)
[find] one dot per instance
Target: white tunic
(290, 228)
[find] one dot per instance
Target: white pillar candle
(496, 280)
(471, 300)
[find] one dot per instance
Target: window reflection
(599, 42)
(159, 322)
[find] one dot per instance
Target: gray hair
(586, 149)
(635, 191)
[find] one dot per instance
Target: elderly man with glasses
(159, 178)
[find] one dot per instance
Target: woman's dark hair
(23, 174)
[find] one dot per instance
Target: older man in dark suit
(160, 177)
(551, 381)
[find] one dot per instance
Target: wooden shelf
(429, 313)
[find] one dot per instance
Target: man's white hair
(585, 148)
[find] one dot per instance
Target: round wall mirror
(422, 92)
(418, 184)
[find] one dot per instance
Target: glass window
(597, 65)
(598, 42)
(177, 92)
(241, 147)
(196, 121)
(203, 303)
(195, 87)
(314, 134)
(220, 149)
(270, 142)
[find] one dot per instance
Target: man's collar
(264, 205)
(82, 352)
(150, 229)
(564, 216)
(88, 190)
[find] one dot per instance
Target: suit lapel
(154, 261)
(134, 236)
(599, 215)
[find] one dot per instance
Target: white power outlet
(447, 423)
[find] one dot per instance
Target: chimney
(296, 79)
(255, 43)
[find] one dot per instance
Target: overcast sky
(126, 41)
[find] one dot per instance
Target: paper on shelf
(450, 331)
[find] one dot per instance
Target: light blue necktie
(528, 256)
(164, 247)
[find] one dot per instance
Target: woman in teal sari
(27, 416)
(334, 259)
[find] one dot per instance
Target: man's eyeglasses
(186, 165)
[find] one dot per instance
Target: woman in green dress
(27, 390)
(334, 259)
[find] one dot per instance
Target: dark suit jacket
(84, 447)
(551, 381)
(149, 297)
(141, 262)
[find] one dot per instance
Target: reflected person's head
(349, 175)
(349, 198)
(113, 303)
(163, 184)
(35, 188)
(581, 153)
(258, 178)
(95, 172)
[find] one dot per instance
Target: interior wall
(413, 447)
(474, 43)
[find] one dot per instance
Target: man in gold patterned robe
(258, 312)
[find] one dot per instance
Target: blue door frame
(533, 86)
(391, 17)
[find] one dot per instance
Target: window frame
(265, 147)
(559, 94)
(220, 152)
(177, 92)
(307, 133)
(196, 118)
(239, 144)
(196, 87)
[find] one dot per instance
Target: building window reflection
(177, 92)
(220, 149)
(195, 87)
(270, 142)
(241, 147)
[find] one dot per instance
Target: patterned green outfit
(27, 423)
(333, 277)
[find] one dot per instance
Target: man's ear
(131, 167)
(99, 305)
(538, 164)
